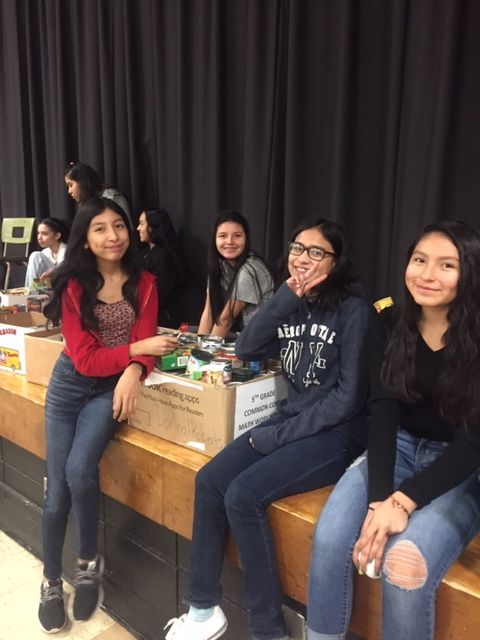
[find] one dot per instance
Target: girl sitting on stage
(52, 235)
(108, 310)
(317, 321)
(407, 510)
(238, 280)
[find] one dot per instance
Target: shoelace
(52, 592)
(173, 621)
(86, 576)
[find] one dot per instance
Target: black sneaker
(88, 589)
(51, 611)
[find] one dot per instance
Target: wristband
(399, 505)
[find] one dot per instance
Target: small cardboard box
(11, 297)
(205, 417)
(42, 349)
(31, 301)
(13, 328)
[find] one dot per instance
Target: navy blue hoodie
(324, 360)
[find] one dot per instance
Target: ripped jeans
(436, 535)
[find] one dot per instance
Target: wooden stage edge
(156, 478)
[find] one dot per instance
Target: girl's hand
(383, 520)
(126, 392)
(154, 346)
(301, 283)
(45, 275)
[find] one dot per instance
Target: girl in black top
(162, 257)
(406, 514)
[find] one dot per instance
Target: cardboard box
(11, 297)
(13, 328)
(42, 349)
(205, 417)
(31, 301)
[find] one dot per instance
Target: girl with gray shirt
(238, 280)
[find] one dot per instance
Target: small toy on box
(39, 285)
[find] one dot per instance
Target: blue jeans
(79, 424)
(233, 490)
(440, 531)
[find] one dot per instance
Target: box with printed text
(13, 329)
(202, 416)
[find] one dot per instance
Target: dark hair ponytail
(90, 183)
(57, 226)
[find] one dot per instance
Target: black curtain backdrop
(364, 111)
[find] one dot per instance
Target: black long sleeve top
(422, 419)
(157, 262)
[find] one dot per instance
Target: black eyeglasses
(314, 253)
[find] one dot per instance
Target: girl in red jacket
(108, 310)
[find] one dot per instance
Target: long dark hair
(91, 184)
(57, 226)
(342, 280)
(457, 393)
(219, 296)
(80, 263)
(162, 233)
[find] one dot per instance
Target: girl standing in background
(83, 182)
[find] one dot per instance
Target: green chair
(16, 232)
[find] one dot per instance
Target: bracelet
(399, 505)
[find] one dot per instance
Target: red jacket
(89, 354)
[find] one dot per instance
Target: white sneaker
(184, 628)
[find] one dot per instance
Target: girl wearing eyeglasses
(317, 321)
(238, 280)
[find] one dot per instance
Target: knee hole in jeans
(405, 566)
(361, 458)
